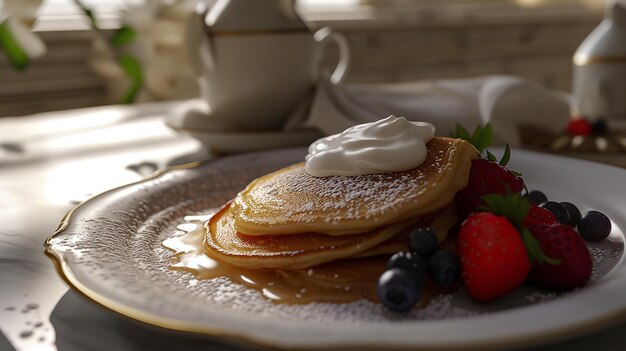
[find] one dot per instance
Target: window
(64, 15)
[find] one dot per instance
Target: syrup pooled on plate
(343, 280)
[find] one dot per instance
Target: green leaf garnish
(13, 50)
(491, 157)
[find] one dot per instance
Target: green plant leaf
(13, 50)
(133, 70)
(123, 36)
(491, 157)
(89, 13)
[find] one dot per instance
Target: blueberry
(409, 261)
(423, 241)
(594, 226)
(599, 127)
(573, 212)
(557, 210)
(536, 197)
(398, 290)
(444, 268)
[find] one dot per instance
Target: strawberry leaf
(513, 207)
(491, 157)
(506, 157)
(461, 133)
(481, 138)
(534, 249)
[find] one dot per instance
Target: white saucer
(230, 142)
(193, 118)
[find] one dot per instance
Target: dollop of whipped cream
(391, 144)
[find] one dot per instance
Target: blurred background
(390, 41)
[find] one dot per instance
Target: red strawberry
(486, 177)
(579, 126)
(492, 255)
(538, 215)
(561, 242)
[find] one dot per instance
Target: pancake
(310, 249)
(290, 251)
(440, 223)
(290, 201)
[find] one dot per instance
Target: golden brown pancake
(309, 249)
(290, 201)
(288, 251)
(440, 222)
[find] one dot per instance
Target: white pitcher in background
(599, 77)
(256, 61)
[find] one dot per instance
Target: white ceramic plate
(109, 248)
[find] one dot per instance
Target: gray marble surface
(49, 163)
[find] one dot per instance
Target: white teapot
(256, 61)
(600, 67)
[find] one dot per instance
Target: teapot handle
(324, 36)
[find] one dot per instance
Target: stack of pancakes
(289, 219)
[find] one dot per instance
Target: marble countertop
(51, 162)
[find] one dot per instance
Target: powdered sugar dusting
(336, 199)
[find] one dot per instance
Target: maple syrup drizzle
(344, 280)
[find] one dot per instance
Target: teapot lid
(254, 15)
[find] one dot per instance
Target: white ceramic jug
(600, 67)
(256, 60)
